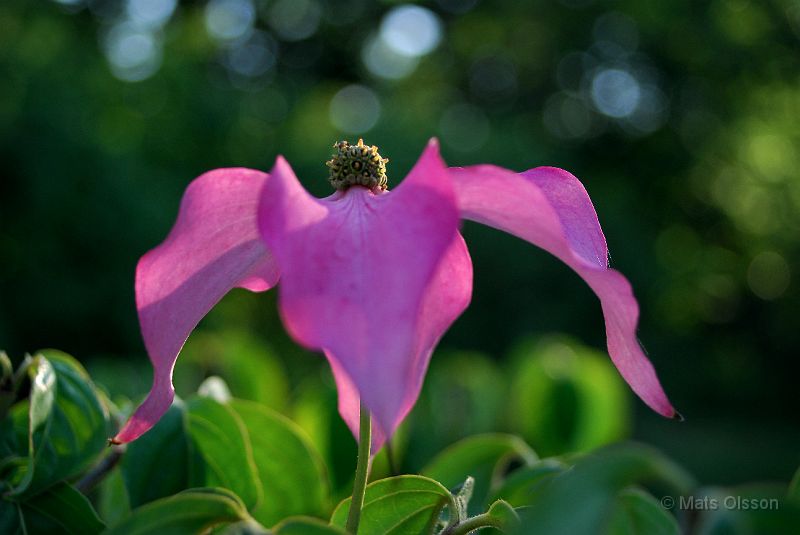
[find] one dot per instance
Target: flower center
(357, 165)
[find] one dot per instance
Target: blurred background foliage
(680, 118)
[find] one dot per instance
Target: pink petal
(213, 247)
(359, 269)
(446, 297)
(550, 208)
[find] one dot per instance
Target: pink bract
(371, 278)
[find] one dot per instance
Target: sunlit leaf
(398, 505)
(223, 443)
(187, 513)
(293, 475)
(67, 421)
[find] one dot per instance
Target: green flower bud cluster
(357, 165)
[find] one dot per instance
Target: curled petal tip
(550, 208)
(678, 417)
(433, 143)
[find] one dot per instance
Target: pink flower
(370, 277)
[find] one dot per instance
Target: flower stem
(362, 470)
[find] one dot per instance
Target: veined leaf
(398, 505)
(186, 513)
(67, 423)
(224, 444)
(292, 474)
(63, 507)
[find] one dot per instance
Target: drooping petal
(550, 208)
(213, 247)
(446, 297)
(357, 268)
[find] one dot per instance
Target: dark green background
(702, 214)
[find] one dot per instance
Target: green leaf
(65, 508)
(67, 423)
(186, 513)
(157, 464)
(398, 505)
(520, 485)
(484, 457)
(565, 397)
(223, 443)
(40, 405)
(638, 513)
(306, 526)
(580, 500)
(504, 513)
(294, 476)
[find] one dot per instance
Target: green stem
(471, 524)
(362, 470)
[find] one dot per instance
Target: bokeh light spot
(355, 109)
(133, 54)
(615, 92)
(227, 20)
(383, 61)
(411, 30)
(295, 20)
(768, 275)
(150, 14)
(254, 56)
